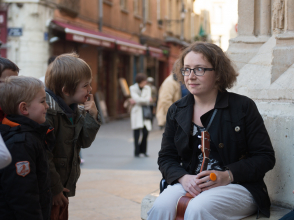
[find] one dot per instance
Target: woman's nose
(192, 75)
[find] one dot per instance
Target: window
(147, 10)
(138, 7)
(169, 9)
(158, 10)
(123, 4)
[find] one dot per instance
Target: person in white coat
(141, 94)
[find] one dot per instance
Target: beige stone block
(147, 204)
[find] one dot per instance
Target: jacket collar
(24, 123)
(58, 104)
(184, 109)
(222, 100)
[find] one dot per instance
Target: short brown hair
(17, 89)
(226, 74)
(67, 70)
(141, 77)
(7, 64)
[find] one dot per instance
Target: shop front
(109, 57)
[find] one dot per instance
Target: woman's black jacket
(238, 132)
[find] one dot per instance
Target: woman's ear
(23, 109)
(64, 91)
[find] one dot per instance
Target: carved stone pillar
(244, 47)
(265, 17)
(246, 18)
(278, 16)
(289, 24)
(283, 52)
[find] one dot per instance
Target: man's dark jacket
(29, 196)
(237, 131)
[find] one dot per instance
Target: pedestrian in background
(67, 81)
(169, 92)
(150, 82)
(141, 94)
(25, 183)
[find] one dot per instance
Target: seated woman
(241, 151)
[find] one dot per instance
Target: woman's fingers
(207, 184)
(189, 182)
(194, 190)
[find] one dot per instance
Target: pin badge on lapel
(237, 128)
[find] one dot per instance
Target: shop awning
(130, 47)
(155, 52)
(82, 35)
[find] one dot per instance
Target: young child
(7, 68)
(67, 81)
(25, 183)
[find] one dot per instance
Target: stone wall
(31, 50)
(264, 55)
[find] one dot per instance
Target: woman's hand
(189, 183)
(204, 182)
(132, 101)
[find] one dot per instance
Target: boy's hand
(90, 106)
(60, 199)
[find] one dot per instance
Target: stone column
(265, 17)
(283, 52)
(246, 45)
(246, 18)
(289, 16)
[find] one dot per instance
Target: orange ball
(212, 177)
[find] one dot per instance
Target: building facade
(118, 38)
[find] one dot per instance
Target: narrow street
(113, 182)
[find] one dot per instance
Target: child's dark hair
(6, 64)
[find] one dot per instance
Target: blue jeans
(289, 216)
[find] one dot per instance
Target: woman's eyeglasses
(198, 71)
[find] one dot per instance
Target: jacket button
(237, 128)
(62, 164)
(221, 145)
(75, 163)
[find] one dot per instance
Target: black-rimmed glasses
(198, 71)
